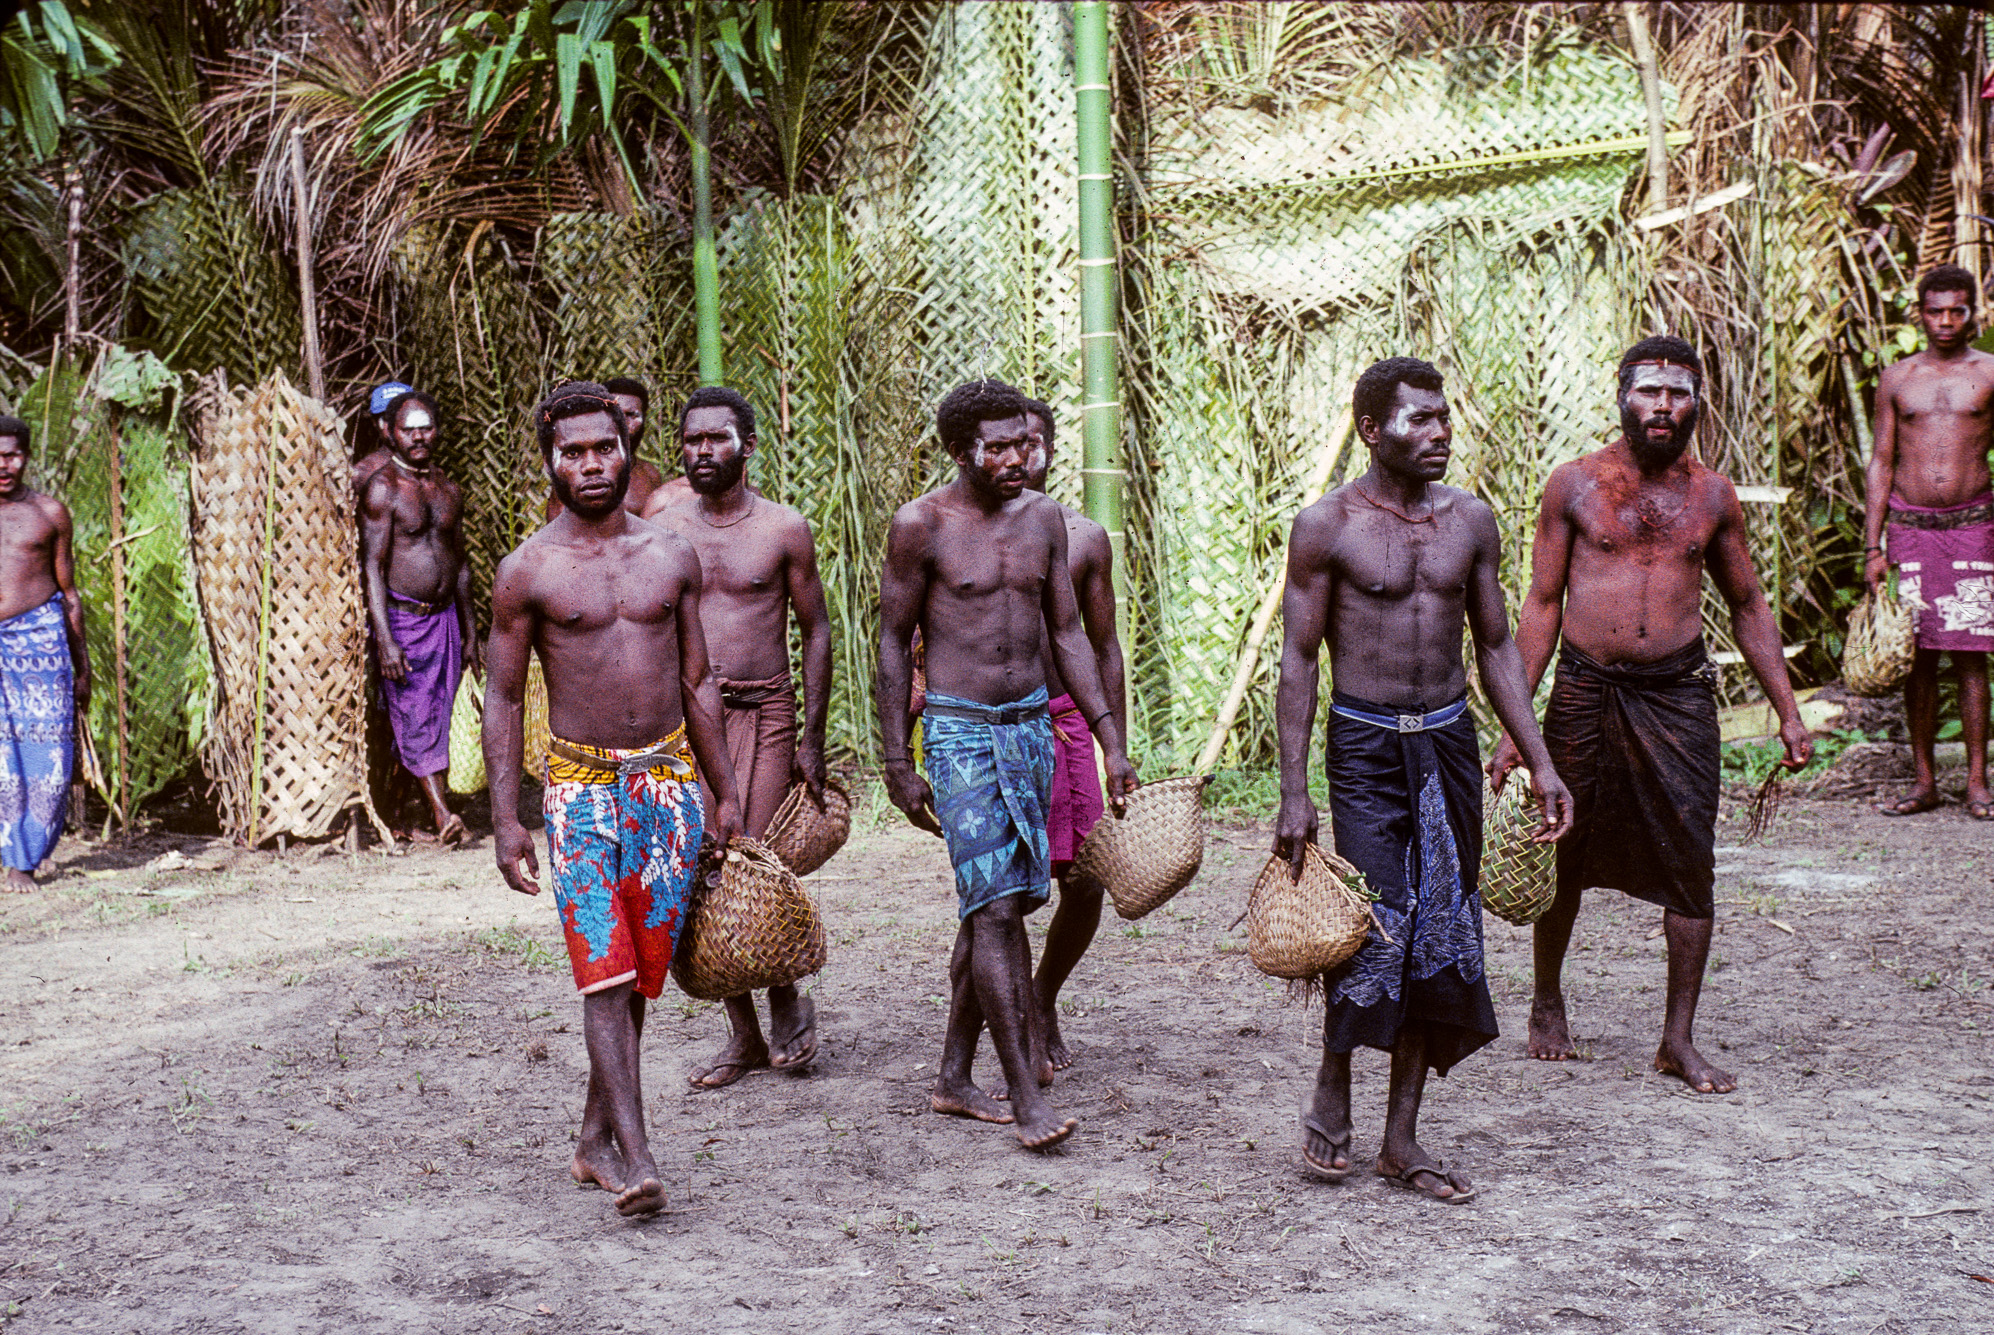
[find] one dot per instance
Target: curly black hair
(970, 404)
(1379, 385)
(1661, 348)
(577, 398)
(719, 396)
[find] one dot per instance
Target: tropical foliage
(506, 194)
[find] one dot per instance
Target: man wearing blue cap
(385, 396)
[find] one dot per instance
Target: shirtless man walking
(1623, 539)
(758, 562)
(44, 664)
(1076, 784)
(1928, 478)
(610, 603)
(418, 597)
(1388, 569)
(980, 566)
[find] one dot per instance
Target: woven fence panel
(276, 558)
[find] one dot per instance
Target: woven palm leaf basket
(1153, 850)
(805, 837)
(1876, 657)
(467, 743)
(757, 928)
(1519, 876)
(1302, 929)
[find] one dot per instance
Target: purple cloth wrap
(1945, 569)
(419, 705)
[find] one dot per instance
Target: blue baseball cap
(385, 394)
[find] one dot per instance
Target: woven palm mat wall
(275, 554)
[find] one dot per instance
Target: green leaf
(568, 55)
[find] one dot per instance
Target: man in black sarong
(1622, 541)
(1386, 570)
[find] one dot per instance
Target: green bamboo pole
(1104, 471)
(705, 265)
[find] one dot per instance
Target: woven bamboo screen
(276, 557)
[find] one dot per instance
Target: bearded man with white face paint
(1623, 540)
(418, 596)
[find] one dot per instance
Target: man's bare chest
(1389, 558)
(593, 595)
(425, 510)
(738, 565)
(1929, 396)
(970, 564)
(1645, 524)
(24, 532)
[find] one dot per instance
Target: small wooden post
(307, 285)
(123, 805)
(72, 280)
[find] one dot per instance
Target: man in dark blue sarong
(44, 664)
(1386, 570)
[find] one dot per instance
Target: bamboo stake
(121, 754)
(307, 284)
(1651, 90)
(274, 431)
(1104, 472)
(72, 281)
(1270, 603)
(705, 266)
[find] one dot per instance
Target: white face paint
(416, 418)
(1651, 378)
(1402, 420)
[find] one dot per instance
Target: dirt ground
(330, 1092)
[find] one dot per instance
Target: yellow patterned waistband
(572, 762)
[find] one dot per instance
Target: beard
(1634, 428)
(723, 479)
(593, 509)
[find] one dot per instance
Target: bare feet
(1326, 1153)
(597, 1166)
(731, 1063)
(1421, 1174)
(19, 882)
(1002, 1089)
(1056, 1054)
(794, 1029)
(1685, 1062)
(647, 1197)
(1043, 1134)
(453, 831)
(1550, 1040)
(1918, 800)
(966, 1100)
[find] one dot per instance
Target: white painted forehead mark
(416, 416)
(1663, 377)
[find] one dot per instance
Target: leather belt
(641, 763)
(416, 606)
(1439, 718)
(995, 715)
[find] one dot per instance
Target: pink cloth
(1076, 785)
(1945, 569)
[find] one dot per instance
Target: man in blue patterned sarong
(44, 664)
(1387, 569)
(979, 566)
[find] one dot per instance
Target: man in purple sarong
(1928, 477)
(418, 597)
(44, 664)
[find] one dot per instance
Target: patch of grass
(1749, 762)
(510, 940)
(1255, 794)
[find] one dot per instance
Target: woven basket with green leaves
(1153, 850)
(1519, 876)
(758, 927)
(1301, 929)
(1882, 641)
(467, 747)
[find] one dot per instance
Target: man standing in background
(1928, 478)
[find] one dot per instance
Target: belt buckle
(1412, 723)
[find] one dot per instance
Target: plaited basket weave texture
(1302, 929)
(1154, 850)
(533, 721)
(757, 928)
(467, 746)
(277, 567)
(1519, 876)
(1876, 657)
(804, 837)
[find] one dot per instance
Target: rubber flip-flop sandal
(1405, 1178)
(1910, 806)
(1325, 1169)
(1980, 810)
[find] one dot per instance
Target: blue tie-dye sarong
(1407, 812)
(37, 733)
(993, 784)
